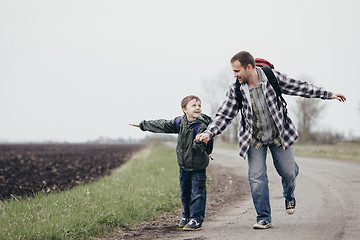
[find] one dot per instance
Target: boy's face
(192, 109)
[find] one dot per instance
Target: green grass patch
(341, 151)
(140, 190)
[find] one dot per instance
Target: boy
(191, 156)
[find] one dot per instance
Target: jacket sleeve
(200, 146)
(225, 114)
(159, 126)
(300, 88)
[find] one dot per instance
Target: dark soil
(29, 168)
(223, 190)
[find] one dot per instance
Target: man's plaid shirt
(288, 134)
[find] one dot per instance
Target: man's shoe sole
(290, 211)
(258, 226)
(192, 229)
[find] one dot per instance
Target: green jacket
(191, 155)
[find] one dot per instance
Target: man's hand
(339, 97)
(203, 137)
(134, 125)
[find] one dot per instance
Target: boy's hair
(187, 99)
(245, 58)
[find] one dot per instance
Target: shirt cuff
(329, 95)
(210, 134)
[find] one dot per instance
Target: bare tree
(307, 110)
(215, 90)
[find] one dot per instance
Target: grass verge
(140, 190)
(342, 151)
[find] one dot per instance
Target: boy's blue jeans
(285, 166)
(193, 193)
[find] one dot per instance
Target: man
(264, 125)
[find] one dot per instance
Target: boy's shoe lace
(193, 225)
(183, 222)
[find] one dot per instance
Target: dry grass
(349, 151)
(342, 151)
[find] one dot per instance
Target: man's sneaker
(183, 222)
(193, 225)
(262, 224)
(290, 206)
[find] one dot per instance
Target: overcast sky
(77, 70)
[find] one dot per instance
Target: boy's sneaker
(262, 224)
(290, 206)
(183, 222)
(193, 225)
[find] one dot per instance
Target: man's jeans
(193, 193)
(286, 167)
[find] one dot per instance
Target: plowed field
(29, 168)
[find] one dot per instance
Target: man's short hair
(245, 58)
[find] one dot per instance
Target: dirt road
(327, 194)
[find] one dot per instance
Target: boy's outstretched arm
(134, 125)
(339, 97)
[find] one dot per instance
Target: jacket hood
(203, 118)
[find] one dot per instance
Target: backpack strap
(177, 122)
(239, 101)
(275, 84)
(196, 128)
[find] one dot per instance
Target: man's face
(192, 109)
(240, 72)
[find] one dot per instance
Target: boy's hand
(134, 125)
(203, 137)
(339, 97)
